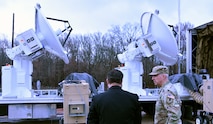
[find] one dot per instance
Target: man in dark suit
(115, 106)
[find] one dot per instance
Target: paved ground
(146, 119)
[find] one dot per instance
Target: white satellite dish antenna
(158, 40)
(31, 45)
(152, 25)
(47, 37)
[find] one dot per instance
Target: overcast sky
(89, 16)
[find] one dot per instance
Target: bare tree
(3, 57)
(3, 45)
(181, 41)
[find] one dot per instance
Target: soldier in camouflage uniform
(168, 105)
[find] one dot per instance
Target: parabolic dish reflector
(47, 37)
(152, 24)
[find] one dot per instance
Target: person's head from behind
(159, 75)
(114, 77)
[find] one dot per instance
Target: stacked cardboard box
(76, 102)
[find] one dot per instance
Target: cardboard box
(76, 102)
(208, 95)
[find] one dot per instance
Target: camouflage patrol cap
(160, 69)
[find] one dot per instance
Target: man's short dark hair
(115, 76)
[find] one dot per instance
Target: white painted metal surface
(29, 46)
(31, 111)
(33, 100)
(158, 40)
